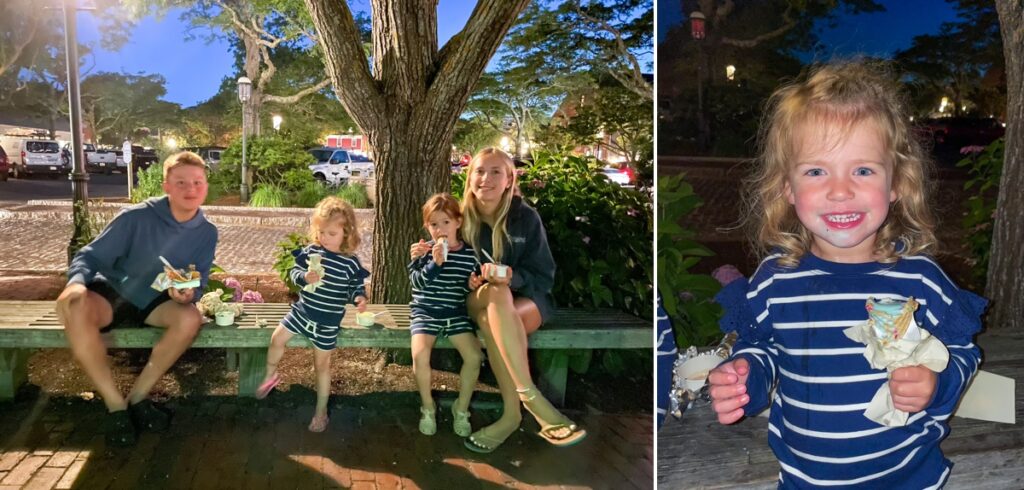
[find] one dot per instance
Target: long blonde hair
(332, 208)
(471, 224)
(839, 95)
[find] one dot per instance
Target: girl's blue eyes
(862, 171)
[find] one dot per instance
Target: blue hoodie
(126, 254)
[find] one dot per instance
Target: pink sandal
(268, 386)
(319, 423)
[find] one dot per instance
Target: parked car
(357, 165)
(99, 159)
(618, 176)
(142, 158)
(32, 156)
(5, 166)
(209, 154)
(333, 174)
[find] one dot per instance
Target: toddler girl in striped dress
(338, 279)
(838, 203)
(440, 284)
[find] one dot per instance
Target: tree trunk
(407, 107)
(1006, 266)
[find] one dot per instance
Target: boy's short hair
(182, 158)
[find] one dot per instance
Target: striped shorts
(323, 337)
(440, 327)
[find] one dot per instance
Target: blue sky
(878, 34)
(194, 69)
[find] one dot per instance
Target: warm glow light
(943, 104)
(172, 143)
(730, 72)
(277, 121)
(504, 143)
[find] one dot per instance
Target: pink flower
(586, 240)
(726, 274)
(250, 296)
(520, 172)
(237, 286)
(537, 184)
(633, 212)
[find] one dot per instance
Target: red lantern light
(697, 25)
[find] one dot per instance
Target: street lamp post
(244, 92)
(79, 177)
(698, 32)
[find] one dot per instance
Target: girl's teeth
(842, 218)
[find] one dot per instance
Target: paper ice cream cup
(500, 271)
(225, 318)
(695, 370)
(365, 319)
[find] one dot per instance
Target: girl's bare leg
(511, 416)
(322, 363)
(422, 344)
(278, 341)
(469, 348)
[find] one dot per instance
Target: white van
(30, 156)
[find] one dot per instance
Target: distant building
(603, 149)
(351, 142)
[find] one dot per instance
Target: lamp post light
(244, 92)
(277, 122)
(698, 32)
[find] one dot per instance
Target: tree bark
(407, 107)
(1006, 266)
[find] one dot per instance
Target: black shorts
(125, 313)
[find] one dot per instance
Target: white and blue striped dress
(790, 323)
(317, 315)
(439, 293)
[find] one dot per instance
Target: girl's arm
(298, 272)
(536, 268)
(423, 271)
(754, 342)
(357, 282)
(956, 329)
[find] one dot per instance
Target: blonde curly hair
(332, 208)
(839, 96)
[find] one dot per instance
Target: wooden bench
(28, 325)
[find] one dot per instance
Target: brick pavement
(36, 236)
(225, 442)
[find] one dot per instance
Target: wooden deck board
(698, 452)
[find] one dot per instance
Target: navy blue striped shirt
(439, 291)
(343, 281)
(790, 323)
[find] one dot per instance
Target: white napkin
(917, 347)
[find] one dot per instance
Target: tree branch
(291, 99)
(464, 57)
(750, 43)
(20, 48)
(353, 84)
(634, 81)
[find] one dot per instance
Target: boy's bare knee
(322, 364)
(421, 359)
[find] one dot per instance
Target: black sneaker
(120, 429)
(148, 417)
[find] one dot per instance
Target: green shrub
(226, 180)
(600, 233)
(268, 196)
(297, 179)
(459, 184)
(686, 297)
(151, 184)
(269, 158)
(355, 194)
(285, 260)
(985, 169)
(310, 194)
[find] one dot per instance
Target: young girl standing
(318, 313)
(839, 202)
(440, 283)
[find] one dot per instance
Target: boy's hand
(418, 249)
(360, 303)
(912, 388)
(181, 296)
(311, 277)
(438, 253)
(475, 281)
(729, 390)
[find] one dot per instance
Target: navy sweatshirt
(126, 254)
(533, 267)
